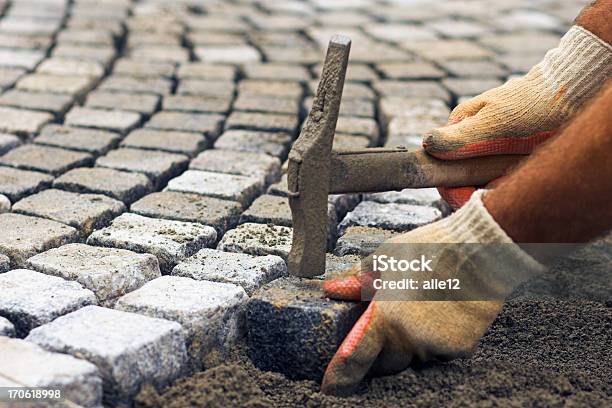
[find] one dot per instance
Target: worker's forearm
(597, 18)
(563, 192)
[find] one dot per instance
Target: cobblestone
(8, 76)
(84, 212)
(73, 85)
(6, 328)
(271, 122)
(361, 241)
(46, 159)
(21, 122)
(39, 101)
(169, 141)
(92, 141)
(211, 313)
(118, 121)
(26, 59)
(30, 299)
(16, 184)
(250, 164)
(208, 124)
(209, 88)
(272, 143)
(258, 239)
(232, 54)
(108, 272)
(206, 71)
(31, 366)
(198, 104)
(424, 196)
(144, 104)
(128, 349)
(143, 69)
(8, 142)
(124, 186)
(171, 241)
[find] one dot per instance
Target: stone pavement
(141, 138)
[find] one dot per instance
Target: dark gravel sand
(542, 351)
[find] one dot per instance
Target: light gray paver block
(15, 183)
(5, 204)
(248, 271)
(267, 104)
(350, 107)
(358, 127)
(198, 104)
(102, 54)
(108, 272)
(27, 59)
(170, 141)
(258, 239)
(239, 163)
(289, 72)
(129, 350)
(124, 186)
(5, 263)
(208, 124)
(158, 166)
(8, 142)
(236, 54)
(412, 89)
(56, 104)
(272, 143)
(171, 241)
(440, 50)
(422, 196)
(217, 213)
(276, 89)
(397, 217)
(163, 53)
(227, 186)
(92, 141)
(206, 71)
(211, 313)
(144, 104)
(8, 76)
(65, 66)
(46, 159)
(21, 122)
(118, 121)
(63, 84)
(271, 122)
(144, 69)
(208, 88)
(342, 141)
(84, 212)
(7, 329)
(361, 241)
(32, 366)
(411, 70)
(157, 86)
(416, 108)
(30, 299)
(470, 86)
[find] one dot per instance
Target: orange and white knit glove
(391, 334)
(516, 117)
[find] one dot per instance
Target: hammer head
(308, 172)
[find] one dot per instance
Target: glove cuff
(577, 68)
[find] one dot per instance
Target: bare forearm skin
(597, 18)
(563, 192)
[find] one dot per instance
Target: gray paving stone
(144, 104)
(118, 121)
(250, 164)
(405, 125)
(267, 104)
(520, 43)
(336, 265)
(21, 42)
(451, 28)
(71, 67)
(174, 142)
(220, 185)
(211, 313)
(354, 73)
(475, 69)
(56, 104)
(272, 143)
(358, 127)
(143, 69)
(519, 64)
(292, 55)
(157, 86)
(30, 299)
(232, 54)
(205, 38)
(21, 122)
(108, 272)
(271, 122)
(200, 104)
(441, 50)
(171, 241)
(158, 166)
(248, 271)
(219, 214)
(412, 89)
(349, 107)
(26, 59)
(470, 86)
(32, 366)
(361, 241)
(411, 70)
(5, 264)
(396, 217)
(85, 37)
(7, 329)
(206, 71)
(288, 72)
(93, 141)
(423, 196)
(342, 141)
(8, 76)
(16, 184)
(5, 204)
(214, 88)
(208, 124)
(8, 142)
(124, 186)
(138, 39)
(393, 32)
(280, 89)
(129, 349)
(103, 55)
(258, 239)
(294, 329)
(176, 54)
(84, 212)
(62, 84)
(46, 159)
(415, 108)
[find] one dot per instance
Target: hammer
(314, 170)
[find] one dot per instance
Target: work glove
(516, 117)
(391, 334)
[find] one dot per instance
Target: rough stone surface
(239, 163)
(272, 143)
(61, 84)
(84, 212)
(8, 142)
(206, 88)
(171, 241)
(128, 349)
(158, 166)
(219, 214)
(124, 186)
(361, 241)
(117, 121)
(207, 124)
(227, 186)
(32, 366)
(397, 217)
(249, 103)
(108, 272)
(294, 329)
(211, 313)
(144, 104)
(16, 184)
(21, 122)
(26, 236)
(271, 122)
(46, 159)
(248, 271)
(30, 299)
(197, 104)
(7, 329)
(169, 141)
(258, 239)
(424, 196)
(55, 104)
(156, 86)
(92, 141)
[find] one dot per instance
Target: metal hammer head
(308, 172)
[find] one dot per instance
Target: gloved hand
(516, 117)
(391, 334)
